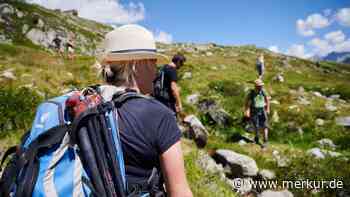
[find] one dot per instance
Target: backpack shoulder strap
(121, 97)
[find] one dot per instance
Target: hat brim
(112, 57)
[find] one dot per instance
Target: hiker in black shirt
(57, 44)
(170, 83)
(148, 130)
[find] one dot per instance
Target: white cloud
(314, 21)
(335, 37)
(343, 16)
(105, 11)
(163, 37)
(320, 47)
(274, 48)
(298, 50)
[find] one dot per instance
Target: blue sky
(297, 27)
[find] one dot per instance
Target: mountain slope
(305, 103)
(340, 57)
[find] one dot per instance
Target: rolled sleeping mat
(89, 160)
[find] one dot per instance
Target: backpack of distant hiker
(159, 90)
(73, 149)
(257, 99)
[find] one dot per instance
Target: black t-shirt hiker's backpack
(160, 91)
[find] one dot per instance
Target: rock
(187, 75)
(40, 23)
(303, 101)
(39, 37)
(300, 131)
(242, 142)
(19, 14)
(334, 96)
(275, 102)
(301, 90)
(197, 131)
(279, 78)
(326, 143)
(192, 99)
(209, 54)
(267, 174)
(317, 94)
(6, 9)
(282, 161)
(319, 122)
(208, 164)
(343, 121)
(25, 28)
(8, 74)
(332, 153)
(270, 193)
(316, 152)
(241, 165)
(330, 107)
(275, 117)
(215, 113)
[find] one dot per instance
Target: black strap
(9, 152)
(121, 97)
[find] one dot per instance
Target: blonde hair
(261, 58)
(123, 73)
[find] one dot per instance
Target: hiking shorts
(259, 119)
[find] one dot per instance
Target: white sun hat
(129, 42)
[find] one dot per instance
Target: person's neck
(171, 64)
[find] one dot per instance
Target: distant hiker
(149, 132)
(260, 66)
(257, 107)
(70, 49)
(57, 44)
(165, 86)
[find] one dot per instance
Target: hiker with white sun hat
(257, 107)
(148, 130)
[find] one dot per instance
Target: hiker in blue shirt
(257, 107)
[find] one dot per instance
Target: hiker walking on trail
(260, 66)
(169, 93)
(70, 49)
(148, 130)
(57, 44)
(257, 107)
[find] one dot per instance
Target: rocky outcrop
(196, 130)
(239, 165)
(215, 113)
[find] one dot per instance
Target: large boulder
(209, 165)
(39, 37)
(270, 193)
(217, 114)
(240, 165)
(316, 153)
(197, 131)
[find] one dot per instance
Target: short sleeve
(168, 133)
(172, 75)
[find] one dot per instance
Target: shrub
(17, 108)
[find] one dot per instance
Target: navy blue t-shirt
(147, 129)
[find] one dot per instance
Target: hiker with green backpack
(257, 107)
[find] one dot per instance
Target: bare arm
(247, 107)
(173, 170)
(176, 92)
(267, 101)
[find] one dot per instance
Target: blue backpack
(63, 157)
